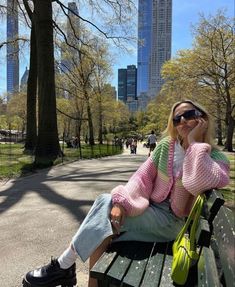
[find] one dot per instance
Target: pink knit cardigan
(203, 169)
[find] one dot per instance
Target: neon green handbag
(184, 247)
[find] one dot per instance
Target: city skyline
(154, 48)
(184, 14)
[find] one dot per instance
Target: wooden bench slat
(166, 280)
(135, 273)
(138, 266)
(153, 270)
(207, 270)
(225, 240)
(135, 255)
(118, 269)
(99, 270)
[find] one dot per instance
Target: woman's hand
(197, 134)
(117, 217)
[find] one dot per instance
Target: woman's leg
(156, 224)
(95, 228)
(90, 240)
(68, 257)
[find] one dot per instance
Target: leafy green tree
(214, 50)
(64, 108)
(16, 109)
(85, 81)
(206, 73)
(3, 122)
(103, 92)
(3, 106)
(102, 102)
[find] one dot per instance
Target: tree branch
(71, 117)
(63, 7)
(13, 41)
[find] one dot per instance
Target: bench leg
(103, 283)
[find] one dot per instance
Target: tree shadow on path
(45, 186)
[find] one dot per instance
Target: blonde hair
(172, 131)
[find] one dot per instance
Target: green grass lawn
(13, 161)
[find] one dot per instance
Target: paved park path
(40, 213)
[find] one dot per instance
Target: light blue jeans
(156, 224)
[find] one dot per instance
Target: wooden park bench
(142, 264)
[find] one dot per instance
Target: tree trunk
(230, 121)
(31, 123)
(90, 124)
(219, 126)
(47, 148)
(229, 137)
(100, 137)
(78, 134)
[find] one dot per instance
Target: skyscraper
(72, 33)
(12, 48)
(127, 79)
(122, 81)
(144, 45)
(131, 83)
(73, 23)
(154, 46)
(24, 80)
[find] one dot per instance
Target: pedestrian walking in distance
(152, 140)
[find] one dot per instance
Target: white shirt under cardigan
(179, 155)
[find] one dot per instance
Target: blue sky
(185, 14)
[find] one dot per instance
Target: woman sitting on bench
(153, 204)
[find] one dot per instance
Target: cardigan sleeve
(134, 196)
(204, 169)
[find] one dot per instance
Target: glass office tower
(122, 85)
(144, 45)
(131, 83)
(12, 49)
(74, 21)
(154, 44)
(72, 34)
(127, 86)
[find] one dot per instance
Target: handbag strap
(194, 226)
(194, 216)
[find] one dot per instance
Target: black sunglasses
(188, 115)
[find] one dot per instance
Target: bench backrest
(217, 261)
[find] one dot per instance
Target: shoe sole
(63, 283)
